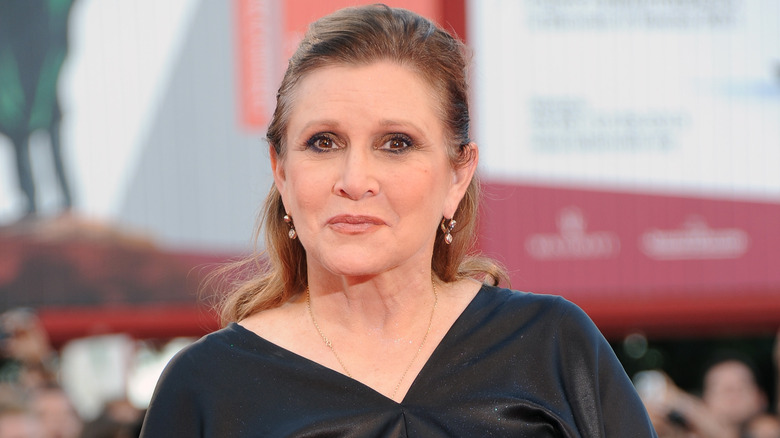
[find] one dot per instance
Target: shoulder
(568, 353)
(183, 392)
(191, 374)
(200, 356)
(501, 302)
(528, 321)
(213, 341)
(549, 322)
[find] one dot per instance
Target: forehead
(729, 371)
(381, 89)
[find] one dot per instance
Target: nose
(357, 175)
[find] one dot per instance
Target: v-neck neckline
(451, 332)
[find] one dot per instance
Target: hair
(725, 356)
(361, 36)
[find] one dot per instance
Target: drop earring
(292, 234)
(447, 228)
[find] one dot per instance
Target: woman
(366, 319)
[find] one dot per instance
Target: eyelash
(401, 138)
(314, 143)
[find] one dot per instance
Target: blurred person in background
(17, 420)
(767, 424)
(55, 413)
(119, 419)
(763, 425)
(731, 395)
(776, 360)
(732, 392)
(30, 365)
(28, 357)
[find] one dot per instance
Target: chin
(355, 270)
(362, 260)
(357, 265)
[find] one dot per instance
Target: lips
(351, 224)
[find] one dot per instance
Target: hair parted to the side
(360, 36)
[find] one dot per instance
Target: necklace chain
(329, 344)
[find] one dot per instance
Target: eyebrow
(387, 123)
(391, 123)
(324, 122)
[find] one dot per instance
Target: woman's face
(366, 175)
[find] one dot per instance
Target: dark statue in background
(33, 45)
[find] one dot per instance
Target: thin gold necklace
(329, 344)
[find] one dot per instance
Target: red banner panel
(258, 57)
(661, 263)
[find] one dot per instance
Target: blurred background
(629, 152)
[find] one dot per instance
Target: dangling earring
(447, 229)
(288, 220)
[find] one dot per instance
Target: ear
(277, 168)
(461, 178)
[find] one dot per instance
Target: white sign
(640, 95)
(694, 240)
(572, 241)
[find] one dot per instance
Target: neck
(379, 306)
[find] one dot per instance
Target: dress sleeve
(602, 398)
(174, 409)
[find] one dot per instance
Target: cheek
(417, 193)
(292, 190)
(306, 194)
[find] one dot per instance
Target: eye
(397, 143)
(323, 142)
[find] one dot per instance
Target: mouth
(353, 224)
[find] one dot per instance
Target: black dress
(513, 364)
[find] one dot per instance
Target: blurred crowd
(34, 404)
(732, 403)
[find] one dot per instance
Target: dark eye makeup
(322, 142)
(395, 143)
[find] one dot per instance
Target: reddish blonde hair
(360, 36)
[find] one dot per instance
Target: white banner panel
(672, 96)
